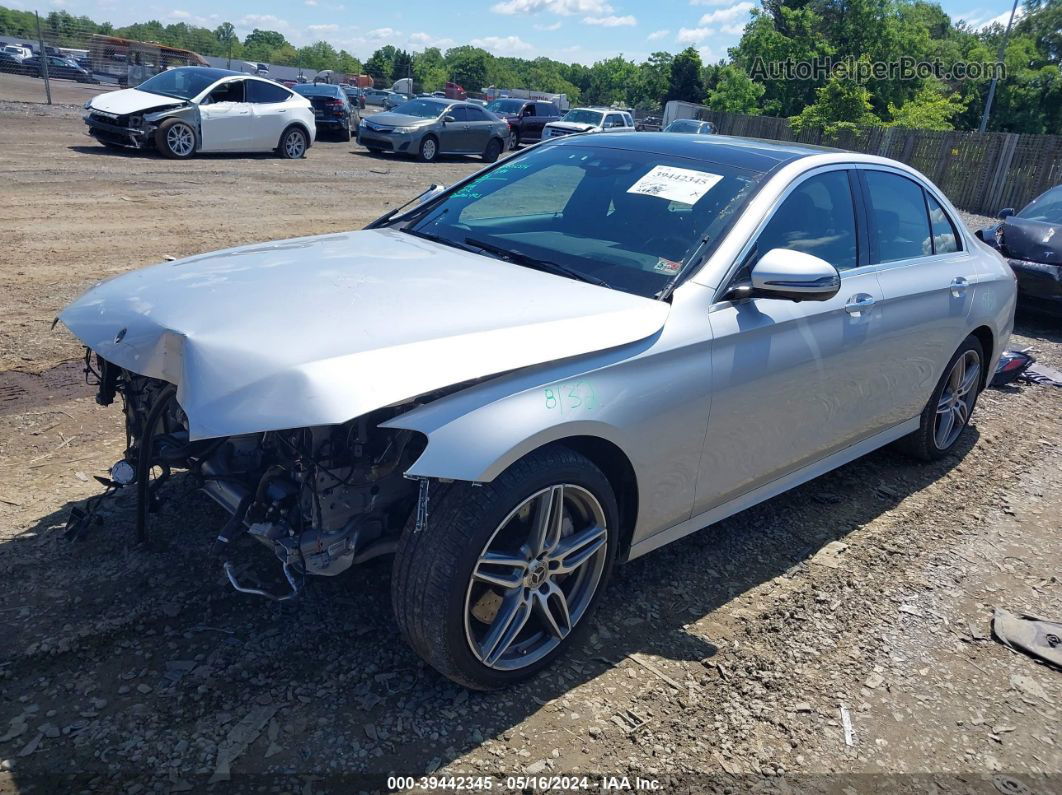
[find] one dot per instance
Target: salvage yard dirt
(864, 595)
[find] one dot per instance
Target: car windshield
(182, 83)
(421, 108)
(1046, 208)
(506, 105)
(319, 90)
(583, 116)
(585, 211)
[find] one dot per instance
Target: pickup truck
(526, 118)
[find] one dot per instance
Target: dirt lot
(720, 660)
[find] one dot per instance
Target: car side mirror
(1006, 212)
(795, 276)
(448, 119)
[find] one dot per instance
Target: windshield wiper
(520, 258)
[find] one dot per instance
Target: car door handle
(282, 110)
(859, 303)
(958, 287)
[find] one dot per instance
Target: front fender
(475, 434)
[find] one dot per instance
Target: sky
(581, 31)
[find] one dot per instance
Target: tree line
(856, 32)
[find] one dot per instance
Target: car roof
(754, 154)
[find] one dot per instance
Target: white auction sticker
(682, 185)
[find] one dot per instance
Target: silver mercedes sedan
(567, 360)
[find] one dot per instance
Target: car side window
(817, 218)
(628, 120)
(260, 92)
(459, 114)
(476, 114)
(613, 120)
(228, 92)
(899, 223)
(945, 238)
(529, 109)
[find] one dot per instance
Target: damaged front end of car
(321, 499)
(135, 130)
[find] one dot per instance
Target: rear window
(319, 90)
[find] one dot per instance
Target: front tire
(175, 139)
(293, 144)
(429, 150)
(505, 576)
(948, 411)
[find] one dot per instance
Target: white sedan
(195, 109)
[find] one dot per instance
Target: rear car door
(480, 128)
(226, 119)
(927, 278)
(270, 112)
(793, 382)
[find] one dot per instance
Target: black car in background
(526, 118)
(332, 111)
(690, 127)
(58, 68)
(10, 63)
(1031, 240)
(355, 95)
(649, 124)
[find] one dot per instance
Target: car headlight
(405, 130)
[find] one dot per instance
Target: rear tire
(175, 139)
(493, 150)
(447, 610)
(346, 134)
(293, 144)
(948, 411)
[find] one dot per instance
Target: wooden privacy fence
(979, 172)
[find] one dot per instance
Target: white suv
(590, 120)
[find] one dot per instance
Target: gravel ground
(725, 658)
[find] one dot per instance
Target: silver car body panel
(717, 404)
(390, 317)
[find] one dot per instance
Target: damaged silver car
(566, 361)
(193, 109)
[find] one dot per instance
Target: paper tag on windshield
(682, 185)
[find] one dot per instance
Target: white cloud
(317, 30)
(730, 14)
(553, 26)
(733, 30)
(564, 8)
(265, 22)
(656, 35)
(710, 2)
(706, 53)
(311, 3)
(379, 34)
(693, 35)
(1000, 19)
(179, 13)
(611, 21)
(423, 40)
(503, 45)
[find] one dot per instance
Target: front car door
(226, 118)
(270, 112)
(927, 278)
(793, 382)
(454, 135)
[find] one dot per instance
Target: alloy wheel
(428, 149)
(180, 139)
(957, 399)
(294, 145)
(536, 577)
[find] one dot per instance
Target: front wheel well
(984, 335)
(617, 467)
(301, 126)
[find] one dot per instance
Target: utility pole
(999, 60)
(44, 60)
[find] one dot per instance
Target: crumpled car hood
(319, 330)
(131, 100)
(1038, 241)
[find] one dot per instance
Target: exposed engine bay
(321, 498)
